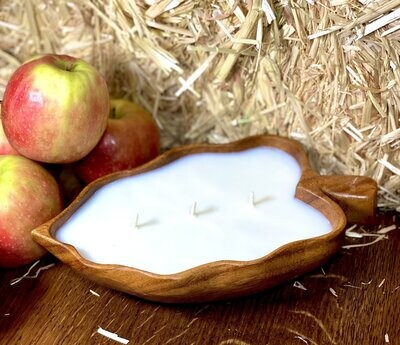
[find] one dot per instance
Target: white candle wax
(198, 209)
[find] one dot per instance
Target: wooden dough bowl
(340, 199)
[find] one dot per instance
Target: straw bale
(324, 72)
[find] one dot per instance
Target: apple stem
(69, 67)
(113, 113)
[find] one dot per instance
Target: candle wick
(193, 209)
(251, 199)
(137, 221)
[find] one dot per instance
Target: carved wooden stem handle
(356, 195)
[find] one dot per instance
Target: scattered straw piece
(333, 292)
(317, 321)
(16, 280)
(236, 10)
(387, 229)
(301, 338)
(382, 282)
(379, 8)
(368, 235)
(7, 314)
(94, 293)
(162, 6)
(225, 67)
(391, 30)
(353, 286)
(358, 81)
(196, 74)
(112, 336)
(390, 166)
(353, 234)
(386, 338)
(352, 228)
(324, 32)
(338, 2)
(382, 21)
(27, 276)
(299, 285)
(379, 238)
(269, 13)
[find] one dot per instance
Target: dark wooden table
(58, 307)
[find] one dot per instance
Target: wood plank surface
(58, 307)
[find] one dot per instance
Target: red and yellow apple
(131, 138)
(55, 109)
(5, 147)
(29, 196)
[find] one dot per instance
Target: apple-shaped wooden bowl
(338, 198)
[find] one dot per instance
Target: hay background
(338, 93)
